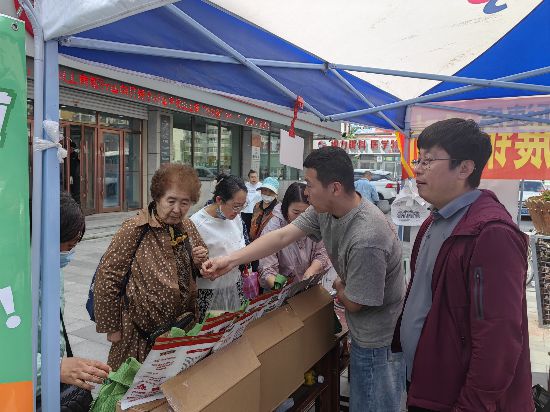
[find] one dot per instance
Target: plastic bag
(408, 208)
(251, 286)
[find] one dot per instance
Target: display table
(326, 396)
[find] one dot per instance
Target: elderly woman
(164, 251)
(299, 260)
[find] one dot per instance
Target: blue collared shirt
(419, 301)
(367, 190)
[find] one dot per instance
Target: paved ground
(87, 343)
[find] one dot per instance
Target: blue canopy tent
(195, 43)
(213, 37)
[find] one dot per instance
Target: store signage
(92, 83)
(362, 146)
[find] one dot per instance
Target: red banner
(515, 156)
(519, 156)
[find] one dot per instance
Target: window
(115, 121)
(76, 114)
(270, 164)
(230, 149)
(180, 151)
(264, 154)
(206, 144)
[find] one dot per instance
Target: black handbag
(541, 398)
(73, 398)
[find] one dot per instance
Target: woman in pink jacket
(299, 260)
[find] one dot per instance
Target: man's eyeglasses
(426, 163)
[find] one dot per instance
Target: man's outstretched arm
(261, 247)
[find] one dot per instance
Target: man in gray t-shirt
(366, 253)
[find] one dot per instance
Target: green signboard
(16, 392)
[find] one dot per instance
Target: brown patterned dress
(161, 286)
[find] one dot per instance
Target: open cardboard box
(261, 369)
(227, 380)
(315, 308)
(277, 341)
(155, 406)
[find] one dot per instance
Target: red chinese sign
(519, 156)
(515, 156)
(91, 82)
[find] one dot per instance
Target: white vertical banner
(255, 151)
(292, 150)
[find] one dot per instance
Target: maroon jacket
(473, 352)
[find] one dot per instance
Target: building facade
(119, 128)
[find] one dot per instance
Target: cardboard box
(277, 341)
(315, 308)
(228, 380)
(155, 406)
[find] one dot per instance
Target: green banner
(15, 278)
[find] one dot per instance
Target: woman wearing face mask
(164, 251)
(74, 371)
(263, 211)
(299, 260)
(220, 225)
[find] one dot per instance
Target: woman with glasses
(219, 224)
(299, 260)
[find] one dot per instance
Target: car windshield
(532, 186)
(376, 176)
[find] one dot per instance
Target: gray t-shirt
(366, 253)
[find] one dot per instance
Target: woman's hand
(82, 372)
(114, 337)
(270, 280)
(200, 254)
(313, 269)
(216, 267)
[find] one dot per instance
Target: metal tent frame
(45, 235)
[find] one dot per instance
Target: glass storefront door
(110, 170)
(87, 167)
(132, 170)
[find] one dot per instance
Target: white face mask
(268, 199)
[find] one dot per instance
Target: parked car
(530, 188)
(205, 173)
(382, 180)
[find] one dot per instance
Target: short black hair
(463, 140)
(294, 193)
(251, 171)
(332, 164)
(72, 224)
(227, 186)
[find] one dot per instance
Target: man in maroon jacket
(463, 330)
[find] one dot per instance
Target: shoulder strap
(67, 343)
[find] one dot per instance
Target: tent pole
(94, 44)
(219, 42)
(36, 205)
(530, 115)
(433, 96)
(50, 242)
(444, 78)
(364, 99)
(482, 113)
